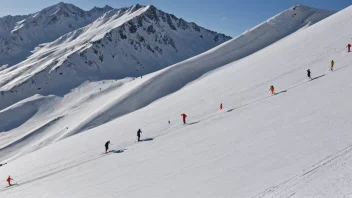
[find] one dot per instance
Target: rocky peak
(103, 9)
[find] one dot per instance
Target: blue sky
(231, 17)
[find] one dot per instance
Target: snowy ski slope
(296, 143)
(47, 119)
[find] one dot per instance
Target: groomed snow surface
(296, 143)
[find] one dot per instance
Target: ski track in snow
(293, 186)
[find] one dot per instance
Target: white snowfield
(64, 112)
(296, 143)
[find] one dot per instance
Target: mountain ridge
(142, 42)
(23, 33)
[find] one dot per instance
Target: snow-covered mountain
(127, 42)
(71, 85)
(19, 35)
(296, 143)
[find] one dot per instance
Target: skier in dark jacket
(139, 135)
(107, 146)
(308, 74)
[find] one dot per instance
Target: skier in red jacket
(184, 116)
(9, 180)
(349, 47)
(221, 106)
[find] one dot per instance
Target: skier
(349, 47)
(107, 146)
(169, 122)
(308, 74)
(272, 89)
(139, 135)
(332, 65)
(221, 106)
(9, 180)
(184, 116)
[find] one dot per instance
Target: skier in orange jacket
(184, 116)
(9, 180)
(332, 65)
(272, 89)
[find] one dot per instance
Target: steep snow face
(8, 23)
(149, 42)
(296, 143)
(20, 34)
(127, 42)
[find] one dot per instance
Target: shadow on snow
(118, 151)
(192, 123)
(147, 139)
